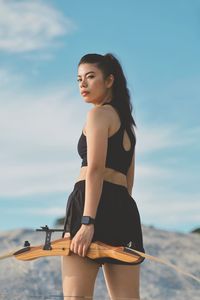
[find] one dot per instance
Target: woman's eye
(88, 77)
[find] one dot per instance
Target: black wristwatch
(86, 220)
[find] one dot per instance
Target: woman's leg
(122, 281)
(78, 276)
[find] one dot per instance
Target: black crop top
(117, 157)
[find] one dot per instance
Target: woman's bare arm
(97, 125)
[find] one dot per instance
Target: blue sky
(42, 113)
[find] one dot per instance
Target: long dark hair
(109, 64)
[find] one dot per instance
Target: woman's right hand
(82, 240)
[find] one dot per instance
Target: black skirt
(117, 221)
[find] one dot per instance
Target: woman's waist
(110, 175)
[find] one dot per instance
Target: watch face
(87, 220)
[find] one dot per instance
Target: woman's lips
(84, 93)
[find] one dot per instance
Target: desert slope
(42, 277)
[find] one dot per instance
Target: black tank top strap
(122, 126)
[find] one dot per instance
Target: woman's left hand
(82, 240)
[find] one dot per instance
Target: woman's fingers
(85, 247)
(79, 248)
(82, 240)
(74, 247)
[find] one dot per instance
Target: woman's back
(120, 148)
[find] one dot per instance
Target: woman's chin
(87, 100)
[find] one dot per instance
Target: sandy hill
(41, 278)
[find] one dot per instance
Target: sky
(42, 113)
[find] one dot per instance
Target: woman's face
(92, 85)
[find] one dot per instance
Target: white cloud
(162, 137)
(147, 171)
(49, 211)
(39, 119)
(169, 209)
(30, 25)
(39, 133)
(8, 77)
(39, 178)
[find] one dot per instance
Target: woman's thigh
(122, 281)
(78, 276)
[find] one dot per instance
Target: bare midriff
(108, 175)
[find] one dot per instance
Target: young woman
(100, 207)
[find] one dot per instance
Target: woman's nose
(83, 83)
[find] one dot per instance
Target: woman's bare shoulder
(97, 117)
(98, 114)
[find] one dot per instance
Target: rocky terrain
(41, 278)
